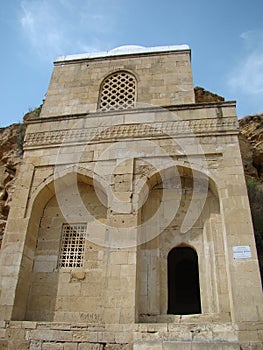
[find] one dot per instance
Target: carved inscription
(91, 317)
(94, 346)
(91, 346)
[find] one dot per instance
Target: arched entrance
(183, 282)
(45, 280)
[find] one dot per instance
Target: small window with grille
(72, 245)
(117, 92)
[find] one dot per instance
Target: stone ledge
(150, 109)
(168, 345)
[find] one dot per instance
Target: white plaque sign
(242, 252)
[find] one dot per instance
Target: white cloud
(38, 23)
(247, 76)
(247, 35)
(63, 27)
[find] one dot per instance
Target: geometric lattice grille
(118, 92)
(72, 245)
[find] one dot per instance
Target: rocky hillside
(202, 95)
(10, 158)
(251, 145)
(11, 151)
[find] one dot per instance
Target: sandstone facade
(130, 226)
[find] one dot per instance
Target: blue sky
(226, 39)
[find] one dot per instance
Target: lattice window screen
(118, 92)
(72, 245)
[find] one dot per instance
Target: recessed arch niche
(42, 283)
(203, 237)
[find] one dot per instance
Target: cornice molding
(179, 128)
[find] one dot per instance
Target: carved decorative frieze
(127, 131)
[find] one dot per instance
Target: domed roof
(127, 49)
(122, 50)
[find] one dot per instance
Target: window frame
(119, 105)
(72, 251)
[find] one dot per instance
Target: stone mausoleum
(130, 226)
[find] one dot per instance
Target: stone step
(174, 345)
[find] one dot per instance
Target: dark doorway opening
(183, 282)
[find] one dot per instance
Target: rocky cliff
(10, 159)
(251, 145)
(202, 96)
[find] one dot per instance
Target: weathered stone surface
(215, 346)
(134, 336)
(90, 346)
(118, 347)
(252, 346)
(3, 345)
(35, 345)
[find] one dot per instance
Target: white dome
(122, 50)
(127, 49)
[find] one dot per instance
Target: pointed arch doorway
(183, 282)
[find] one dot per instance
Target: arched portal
(183, 282)
(47, 288)
(201, 263)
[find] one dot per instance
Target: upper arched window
(117, 92)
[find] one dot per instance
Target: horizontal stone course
(72, 336)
